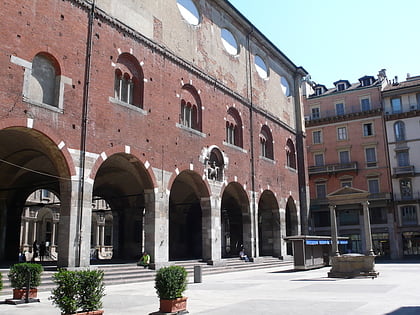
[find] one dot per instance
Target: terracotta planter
(172, 306)
(97, 312)
(19, 294)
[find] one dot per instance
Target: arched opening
(120, 208)
(28, 163)
(185, 217)
(268, 225)
(291, 222)
(236, 221)
(39, 226)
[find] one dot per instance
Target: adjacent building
(346, 147)
(401, 102)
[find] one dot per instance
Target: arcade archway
(268, 225)
(292, 222)
(185, 217)
(120, 184)
(236, 221)
(31, 161)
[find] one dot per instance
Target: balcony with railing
(332, 168)
(350, 112)
(404, 171)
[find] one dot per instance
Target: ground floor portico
(121, 206)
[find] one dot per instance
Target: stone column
(334, 231)
(156, 227)
(212, 233)
(368, 233)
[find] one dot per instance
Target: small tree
(18, 275)
(171, 282)
(91, 289)
(78, 290)
(64, 296)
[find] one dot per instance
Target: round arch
(268, 225)
(292, 222)
(235, 221)
(123, 191)
(31, 161)
(188, 190)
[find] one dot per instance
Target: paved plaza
(268, 291)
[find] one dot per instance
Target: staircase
(130, 272)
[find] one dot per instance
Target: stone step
(130, 272)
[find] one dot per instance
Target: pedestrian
(144, 260)
(42, 251)
(34, 250)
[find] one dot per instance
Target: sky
(334, 40)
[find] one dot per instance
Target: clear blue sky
(335, 39)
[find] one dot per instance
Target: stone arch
(269, 225)
(186, 224)
(31, 161)
(292, 221)
(124, 183)
(235, 221)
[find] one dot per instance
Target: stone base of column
(352, 265)
(216, 263)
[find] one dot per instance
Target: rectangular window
(418, 100)
(348, 217)
(315, 113)
(339, 109)
(344, 157)
(405, 189)
(321, 219)
(370, 157)
(373, 185)
(317, 137)
(408, 215)
(341, 87)
(321, 191)
(396, 105)
(346, 183)
(377, 216)
(365, 104)
(319, 159)
(342, 133)
(367, 129)
(402, 158)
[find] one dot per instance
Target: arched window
(399, 130)
(190, 115)
(290, 154)
(44, 82)
(266, 143)
(129, 81)
(234, 128)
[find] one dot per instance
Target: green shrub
(91, 289)
(18, 275)
(1, 282)
(64, 296)
(171, 282)
(78, 290)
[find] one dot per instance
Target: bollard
(197, 274)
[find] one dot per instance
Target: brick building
(173, 127)
(347, 148)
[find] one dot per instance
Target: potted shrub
(1, 282)
(18, 276)
(170, 284)
(78, 291)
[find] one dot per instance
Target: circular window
(261, 67)
(229, 42)
(285, 86)
(188, 11)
